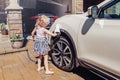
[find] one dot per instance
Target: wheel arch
(65, 34)
(69, 38)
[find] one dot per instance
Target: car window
(111, 11)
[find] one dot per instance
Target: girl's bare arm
(50, 33)
(33, 32)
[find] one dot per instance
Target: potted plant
(17, 41)
(3, 29)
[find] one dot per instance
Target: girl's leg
(39, 63)
(46, 65)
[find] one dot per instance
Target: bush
(2, 26)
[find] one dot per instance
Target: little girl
(41, 45)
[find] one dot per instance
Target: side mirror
(92, 11)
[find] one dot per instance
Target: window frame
(103, 8)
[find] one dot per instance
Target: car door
(100, 45)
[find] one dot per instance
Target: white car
(91, 40)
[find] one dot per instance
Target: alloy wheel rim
(62, 54)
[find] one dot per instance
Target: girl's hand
(55, 34)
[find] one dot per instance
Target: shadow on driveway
(87, 75)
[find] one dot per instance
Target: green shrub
(16, 37)
(2, 26)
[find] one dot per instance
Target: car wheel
(62, 54)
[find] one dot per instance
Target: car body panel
(96, 39)
(100, 44)
(65, 25)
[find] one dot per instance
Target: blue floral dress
(41, 46)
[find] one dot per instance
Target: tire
(62, 54)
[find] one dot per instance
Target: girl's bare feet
(41, 68)
(49, 72)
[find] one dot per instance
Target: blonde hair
(42, 19)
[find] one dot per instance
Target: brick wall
(80, 6)
(77, 6)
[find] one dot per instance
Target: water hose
(28, 54)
